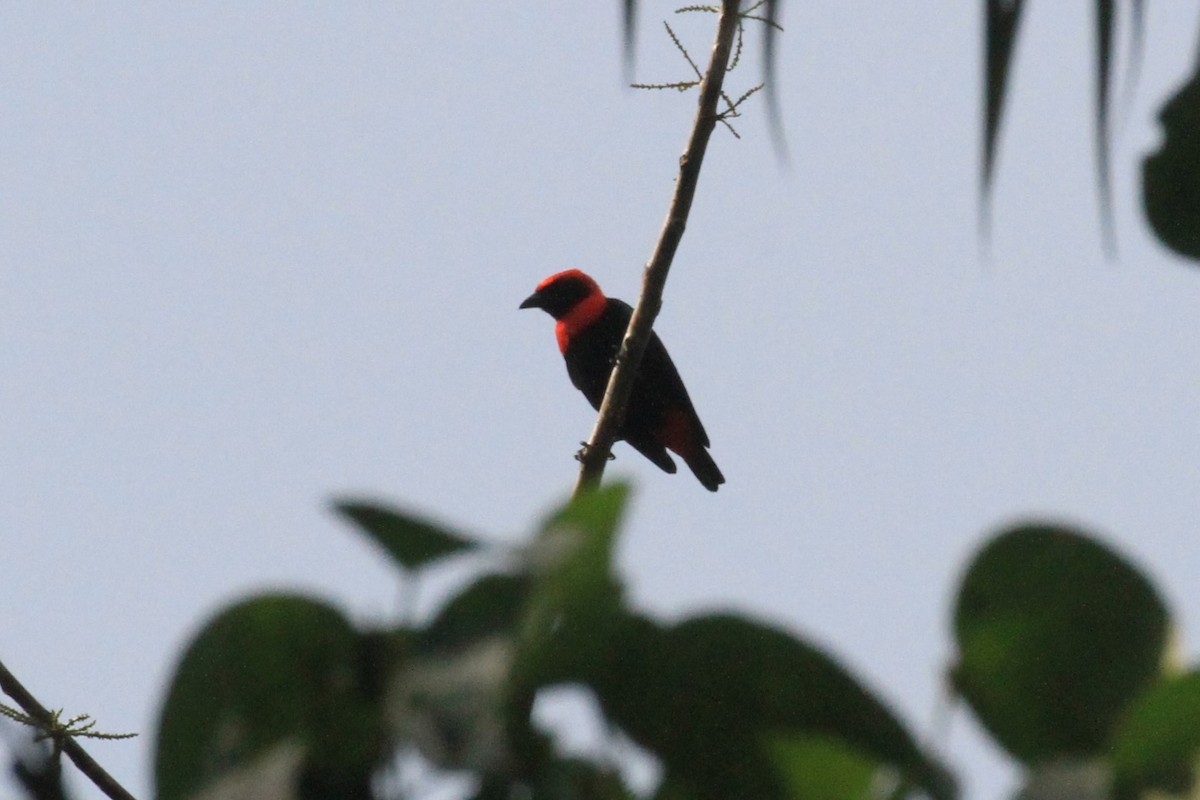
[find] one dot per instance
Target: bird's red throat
(581, 315)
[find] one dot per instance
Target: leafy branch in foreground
(62, 733)
(1058, 640)
(282, 695)
(80, 726)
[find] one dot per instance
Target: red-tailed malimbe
(660, 416)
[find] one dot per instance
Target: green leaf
(1157, 745)
(1056, 636)
(714, 696)
(575, 597)
(576, 779)
(1068, 779)
(452, 702)
(558, 778)
(273, 686)
(1171, 176)
(468, 690)
(451, 705)
(823, 768)
(411, 541)
(490, 606)
(596, 512)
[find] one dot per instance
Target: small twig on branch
(47, 721)
(768, 20)
(681, 86)
(620, 383)
(679, 46)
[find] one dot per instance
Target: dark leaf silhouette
(999, 41)
(1105, 23)
(734, 708)
(413, 542)
(1171, 175)
(1056, 635)
(271, 691)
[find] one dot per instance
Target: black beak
(533, 301)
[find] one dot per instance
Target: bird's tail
(705, 469)
(682, 432)
(654, 451)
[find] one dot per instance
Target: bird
(589, 327)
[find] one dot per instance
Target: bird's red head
(572, 298)
(559, 294)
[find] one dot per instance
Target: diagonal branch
(46, 719)
(620, 383)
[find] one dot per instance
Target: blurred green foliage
(1060, 643)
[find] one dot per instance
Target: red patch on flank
(585, 312)
(676, 432)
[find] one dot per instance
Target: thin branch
(746, 95)
(620, 383)
(47, 721)
(681, 86)
(682, 49)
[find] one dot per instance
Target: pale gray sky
(256, 255)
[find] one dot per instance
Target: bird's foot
(584, 447)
